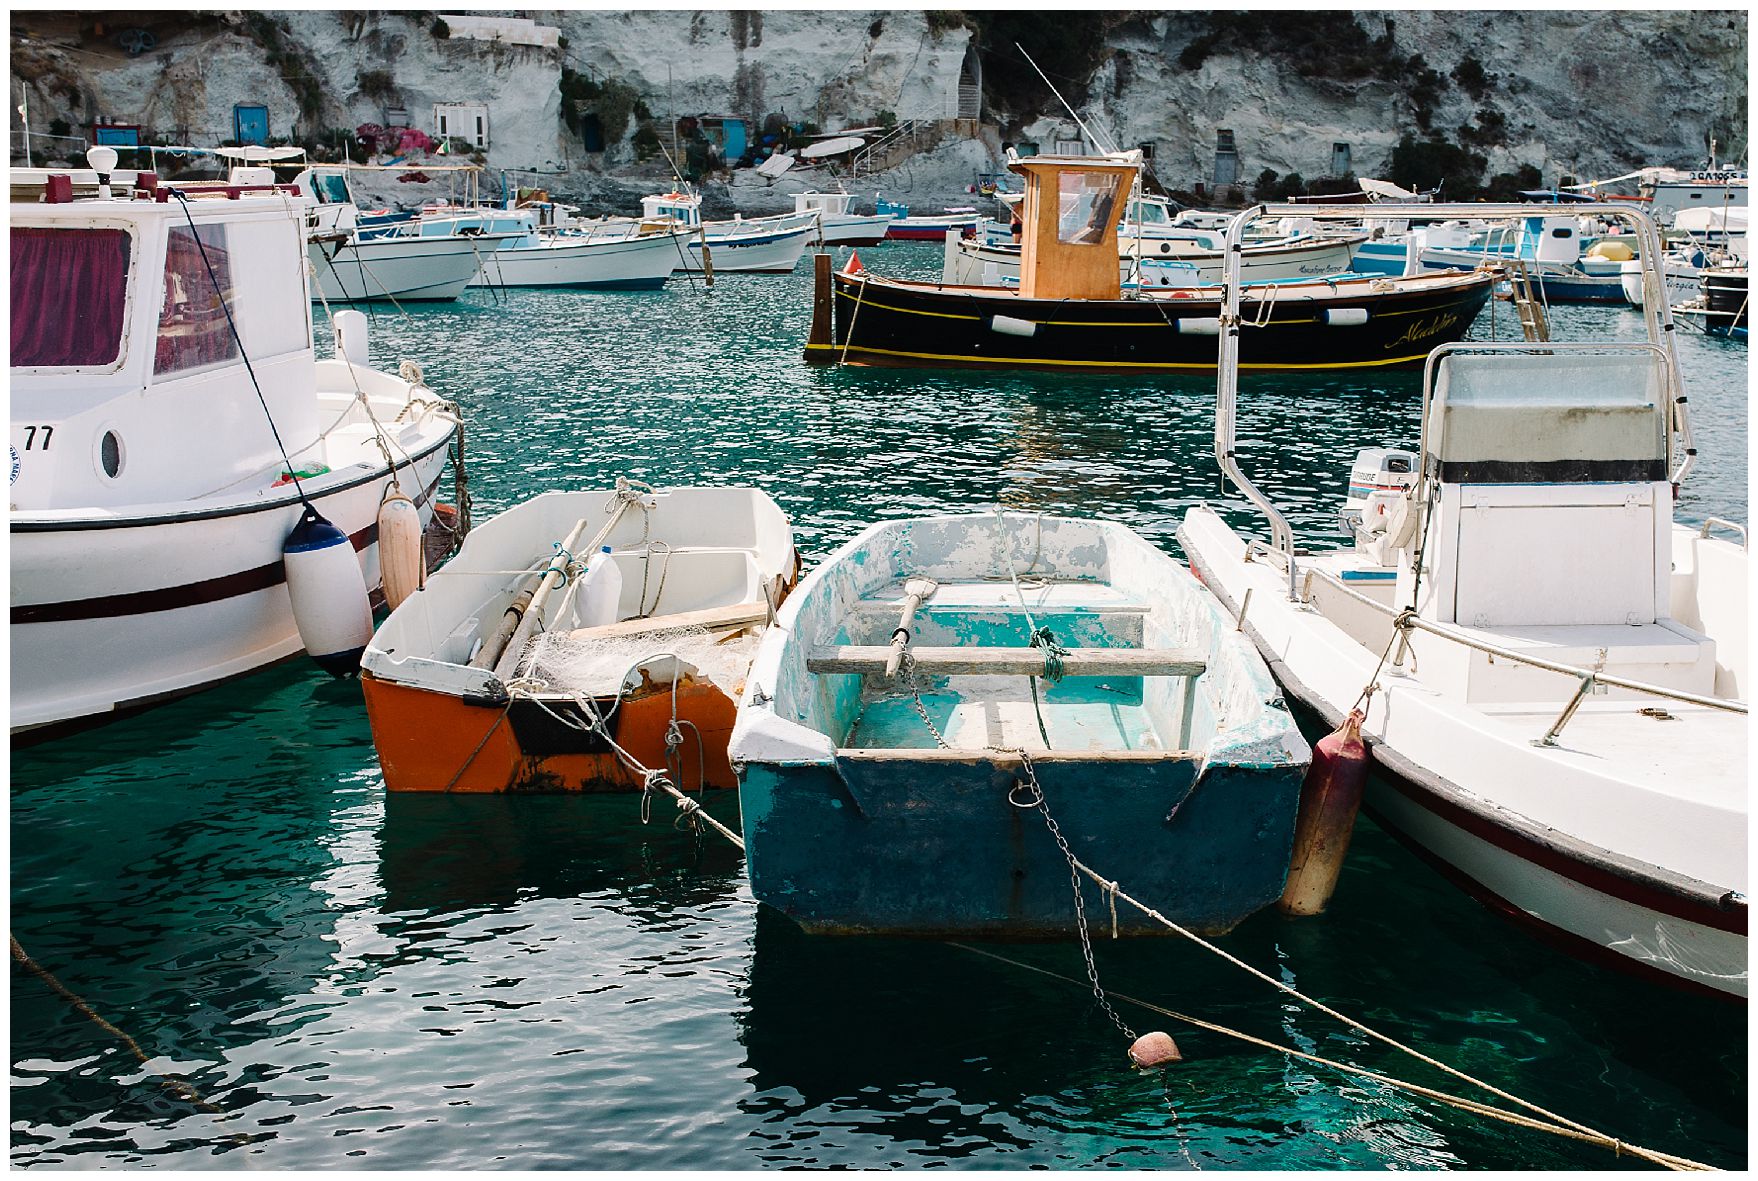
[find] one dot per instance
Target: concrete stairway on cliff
(906, 139)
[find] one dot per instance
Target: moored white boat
(400, 263)
(958, 222)
(151, 495)
(1552, 669)
(654, 639)
(767, 244)
(941, 687)
(1172, 263)
(836, 225)
(1549, 248)
(633, 262)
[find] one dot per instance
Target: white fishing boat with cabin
(767, 244)
(836, 225)
(170, 424)
(401, 262)
(1552, 670)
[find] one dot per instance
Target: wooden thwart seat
(973, 661)
(735, 615)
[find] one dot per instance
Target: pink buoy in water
(1154, 1049)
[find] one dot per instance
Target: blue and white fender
(330, 605)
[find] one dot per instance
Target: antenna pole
(1085, 130)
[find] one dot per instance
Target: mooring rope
(1564, 1128)
(176, 1085)
(1582, 1131)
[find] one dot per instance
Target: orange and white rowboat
(457, 706)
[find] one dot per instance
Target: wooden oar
(914, 591)
(507, 659)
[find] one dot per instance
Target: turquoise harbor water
(351, 980)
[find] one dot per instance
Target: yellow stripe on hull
(854, 352)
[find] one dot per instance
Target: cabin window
(330, 188)
(69, 295)
(193, 329)
(1088, 201)
(1148, 214)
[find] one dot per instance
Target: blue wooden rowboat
(1163, 753)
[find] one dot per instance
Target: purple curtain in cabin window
(69, 293)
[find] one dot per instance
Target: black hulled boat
(1070, 312)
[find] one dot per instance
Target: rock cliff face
(1579, 93)
(1583, 93)
(831, 67)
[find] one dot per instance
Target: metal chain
(1036, 802)
(906, 676)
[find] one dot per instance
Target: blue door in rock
(250, 124)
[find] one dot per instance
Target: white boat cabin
(123, 357)
(824, 204)
(684, 208)
(1548, 524)
(1550, 240)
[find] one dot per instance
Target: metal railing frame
(1406, 621)
(1656, 315)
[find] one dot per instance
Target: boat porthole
(1165, 248)
(110, 454)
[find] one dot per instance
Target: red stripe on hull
(1567, 942)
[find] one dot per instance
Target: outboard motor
(1379, 479)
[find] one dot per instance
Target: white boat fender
(1008, 326)
(1200, 326)
(330, 607)
(1330, 796)
(399, 546)
(351, 337)
(1345, 317)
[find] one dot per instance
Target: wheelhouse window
(69, 295)
(1088, 200)
(193, 329)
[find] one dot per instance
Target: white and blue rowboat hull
(405, 269)
(641, 263)
(855, 821)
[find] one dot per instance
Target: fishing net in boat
(598, 667)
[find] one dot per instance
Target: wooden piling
(818, 340)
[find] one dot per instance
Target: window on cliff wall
(465, 121)
(1226, 158)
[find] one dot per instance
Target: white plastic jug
(601, 588)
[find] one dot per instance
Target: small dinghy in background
(942, 686)
(578, 639)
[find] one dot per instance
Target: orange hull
(430, 741)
